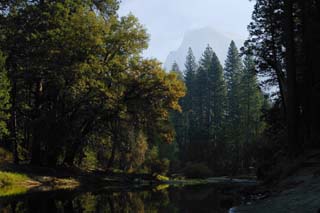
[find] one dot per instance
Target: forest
(75, 88)
(76, 92)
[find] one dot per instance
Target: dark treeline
(284, 39)
(222, 119)
(75, 90)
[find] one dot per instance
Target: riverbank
(22, 179)
(299, 192)
(301, 196)
(13, 183)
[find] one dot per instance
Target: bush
(197, 170)
(160, 166)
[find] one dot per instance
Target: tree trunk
(36, 142)
(14, 122)
(113, 154)
(292, 107)
(71, 152)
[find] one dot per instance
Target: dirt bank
(299, 193)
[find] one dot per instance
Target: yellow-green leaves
(4, 97)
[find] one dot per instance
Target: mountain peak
(198, 39)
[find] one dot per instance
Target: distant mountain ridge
(198, 41)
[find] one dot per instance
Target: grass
(12, 190)
(12, 184)
(162, 178)
(9, 178)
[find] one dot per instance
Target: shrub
(160, 166)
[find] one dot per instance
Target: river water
(159, 199)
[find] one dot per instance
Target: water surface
(160, 199)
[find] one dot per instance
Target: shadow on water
(162, 199)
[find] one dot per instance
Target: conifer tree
(217, 86)
(203, 92)
(266, 43)
(189, 78)
(252, 101)
(233, 75)
(178, 118)
(189, 100)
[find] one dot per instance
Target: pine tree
(4, 97)
(189, 100)
(266, 43)
(218, 98)
(189, 78)
(252, 101)
(178, 118)
(203, 92)
(233, 75)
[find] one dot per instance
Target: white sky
(167, 20)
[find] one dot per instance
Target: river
(159, 199)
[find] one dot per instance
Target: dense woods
(80, 92)
(222, 119)
(284, 39)
(76, 91)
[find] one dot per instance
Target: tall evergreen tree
(203, 92)
(189, 78)
(233, 75)
(189, 104)
(266, 43)
(178, 118)
(218, 97)
(252, 101)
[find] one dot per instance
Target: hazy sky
(168, 20)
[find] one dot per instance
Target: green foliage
(89, 161)
(4, 97)
(266, 41)
(156, 165)
(221, 116)
(233, 75)
(82, 94)
(218, 97)
(252, 101)
(81, 88)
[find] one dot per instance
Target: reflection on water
(162, 199)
